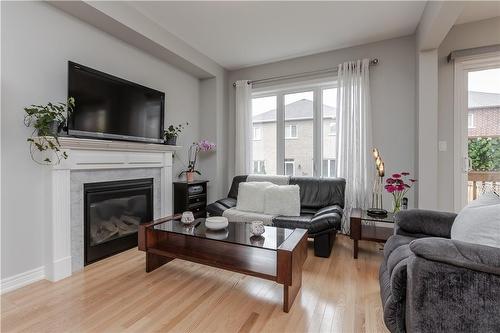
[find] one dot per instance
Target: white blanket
(234, 215)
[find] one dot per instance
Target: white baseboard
(59, 269)
(23, 279)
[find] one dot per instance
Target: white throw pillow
(251, 196)
(282, 200)
(479, 222)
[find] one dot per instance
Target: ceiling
(479, 10)
(240, 34)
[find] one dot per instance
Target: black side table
(192, 197)
(364, 227)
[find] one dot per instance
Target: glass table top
(235, 232)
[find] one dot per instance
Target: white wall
(37, 42)
(392, 84)
(463, 36)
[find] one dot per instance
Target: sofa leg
(323, 244)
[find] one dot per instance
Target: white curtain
(243, 148)
(354, 139)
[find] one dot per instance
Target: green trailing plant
(46, 121)
(174, 131)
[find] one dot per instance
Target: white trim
(462, 67)
(22, 279)
(94, 155)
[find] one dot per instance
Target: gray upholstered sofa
(322, 203)
(430, 283)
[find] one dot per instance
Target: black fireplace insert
(112, 214)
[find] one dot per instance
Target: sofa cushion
(251, 196)
(282, 200)
(216, 209)
(394, 242)
(320, 192)
(303, 221)
(233, 192)
(313, 224)
(227, 202)
(235, 215)
(479, 222)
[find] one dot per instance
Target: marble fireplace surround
(95, 161)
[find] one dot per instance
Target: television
(109, 107)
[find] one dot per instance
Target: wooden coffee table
(278, 255)
(366, 227)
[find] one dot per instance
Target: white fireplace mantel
(87, 154)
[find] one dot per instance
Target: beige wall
(464, 36)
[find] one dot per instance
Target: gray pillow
(479, 221)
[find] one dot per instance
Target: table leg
(290, 292)
(355, 249)
(153, 261)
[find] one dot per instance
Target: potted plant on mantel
(196, 147)
(172, 132)
(47, 121)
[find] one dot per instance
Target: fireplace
(112, 213)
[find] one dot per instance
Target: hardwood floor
(339, 294)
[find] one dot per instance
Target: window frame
(259, 128)
(291, 136)
(470, 120)
(316, 86)
(292, 162)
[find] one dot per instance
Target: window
(289, 167)
(264, 134)
(257, 133)
(279, 115)
(291, 132)
(329, 168)
(332, 129)
(259, 167)
(470, 120)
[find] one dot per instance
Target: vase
(172, 141)
(189, 176)
(52, 130)
(396, 205)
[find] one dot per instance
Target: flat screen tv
(112, 108)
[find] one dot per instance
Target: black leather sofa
(322, 203)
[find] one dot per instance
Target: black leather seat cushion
(325, 219)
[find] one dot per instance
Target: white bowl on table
(216, 222)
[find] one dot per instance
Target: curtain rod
(303, 74)
(472, 51)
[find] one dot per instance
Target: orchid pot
(194, 150)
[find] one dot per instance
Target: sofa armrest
(329, 210)
(452, 287)
(423, 223)
(477, 257)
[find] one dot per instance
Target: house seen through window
(299, 139)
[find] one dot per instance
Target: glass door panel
(483, 132)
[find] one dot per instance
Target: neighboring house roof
(299, 110)
(479, 99)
